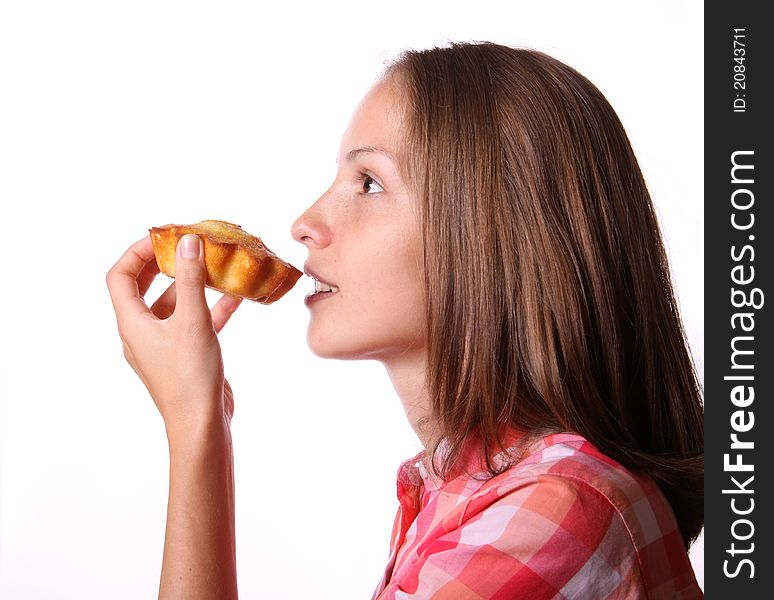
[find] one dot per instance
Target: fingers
(228, 400)
(122, 279)
(190, 277)
(222, 311)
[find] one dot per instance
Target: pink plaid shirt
(564, 522)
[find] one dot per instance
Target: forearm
(199, 549)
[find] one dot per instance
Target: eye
(368, 184)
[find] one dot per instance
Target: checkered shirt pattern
(564, 522)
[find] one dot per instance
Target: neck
(407, 374)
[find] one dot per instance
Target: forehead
(376, 121)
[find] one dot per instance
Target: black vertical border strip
(726, 132)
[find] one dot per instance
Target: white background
(115, 117)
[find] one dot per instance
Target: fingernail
(189, 246)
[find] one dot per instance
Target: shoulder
(571, 469)
(575, 470)
(581, 517)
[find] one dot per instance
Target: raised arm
(173, 348)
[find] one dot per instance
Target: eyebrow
(353, 154)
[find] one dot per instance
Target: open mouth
(322, 289)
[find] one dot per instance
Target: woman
(490, 240)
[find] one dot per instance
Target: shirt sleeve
(551, 537)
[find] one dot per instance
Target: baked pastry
(237, 263)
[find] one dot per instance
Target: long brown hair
(549, 300)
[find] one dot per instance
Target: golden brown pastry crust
(237, 263)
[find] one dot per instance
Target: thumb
(190, 277)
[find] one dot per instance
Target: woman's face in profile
(364, 243)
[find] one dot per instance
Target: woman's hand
(173, 345)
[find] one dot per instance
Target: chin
(331, 346)
(343, 345)
(350, 346)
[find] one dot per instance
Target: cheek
(390, 274)
(392, 294)
(382, 311)
(389, 297)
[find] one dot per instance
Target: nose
(312, 228)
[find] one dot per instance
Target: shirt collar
(418, 471)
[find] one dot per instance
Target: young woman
(491, 241)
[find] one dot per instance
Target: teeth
(319, 286)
